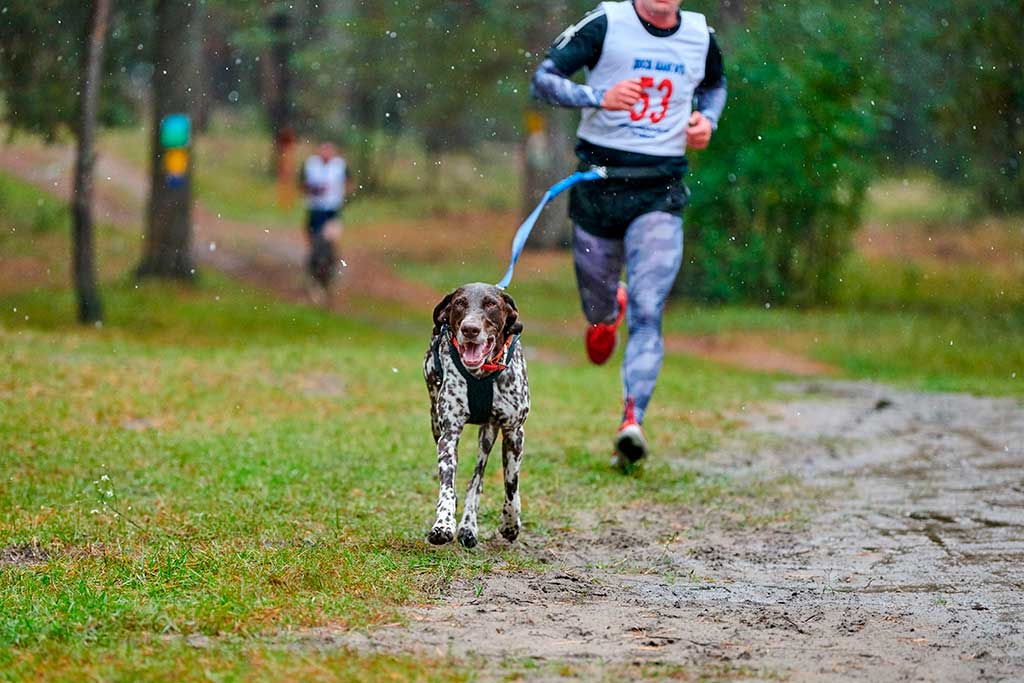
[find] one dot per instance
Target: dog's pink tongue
(473, 354)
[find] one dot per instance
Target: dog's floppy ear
(441, 313)
(512, 324)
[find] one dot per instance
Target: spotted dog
(476, 374)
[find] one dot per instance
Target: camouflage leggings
(652, 252)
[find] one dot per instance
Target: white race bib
(669, 68)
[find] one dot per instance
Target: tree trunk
(210, 67)
(548, 147)
(548, 159)
(732, 12)
(281, 106)
(167, 252)
(90, 309)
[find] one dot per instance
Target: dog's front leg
(468, 528)
(447, 462)
(511, 458)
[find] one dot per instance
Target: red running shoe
(630, 443)
(600, 337)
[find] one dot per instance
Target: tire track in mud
(910, 568)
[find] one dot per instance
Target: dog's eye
(461, 303)
(490, 303)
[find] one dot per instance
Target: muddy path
(908, 565)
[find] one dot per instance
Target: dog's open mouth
(475, 354)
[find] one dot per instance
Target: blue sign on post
(175, 131)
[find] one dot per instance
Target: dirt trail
(911, 568)
(267, 259)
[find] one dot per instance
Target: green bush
(779, 193)
(26, 211)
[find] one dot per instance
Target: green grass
(35, 240)
(980, 353)
(215, 462)
(160, 658)
(900, 286)
(918, 198)
(27, 214)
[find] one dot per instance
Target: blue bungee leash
(519, 241)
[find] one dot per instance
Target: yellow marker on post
(176, 162)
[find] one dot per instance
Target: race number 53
(665, 88)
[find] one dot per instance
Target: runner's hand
(623, 95)
(698, 134)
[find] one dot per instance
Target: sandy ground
(911, 566)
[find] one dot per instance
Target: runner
(324, 180)
(648, 63)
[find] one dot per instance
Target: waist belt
(479, 390)
(631, 172)
(639, 173)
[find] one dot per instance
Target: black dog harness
(480, 390)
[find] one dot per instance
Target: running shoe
(600, 337)
(630, 442)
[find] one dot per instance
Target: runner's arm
(554, 87)
(578, 47)
(711, 94)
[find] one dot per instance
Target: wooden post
(547, 150)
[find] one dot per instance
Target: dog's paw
(467, 537)
(440, 535)
(510, 532)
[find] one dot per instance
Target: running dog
(476, 374)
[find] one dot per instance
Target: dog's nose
(470, 331)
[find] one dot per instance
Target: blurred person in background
(324, 182)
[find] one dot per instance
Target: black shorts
(318, 218)
(605, 208)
